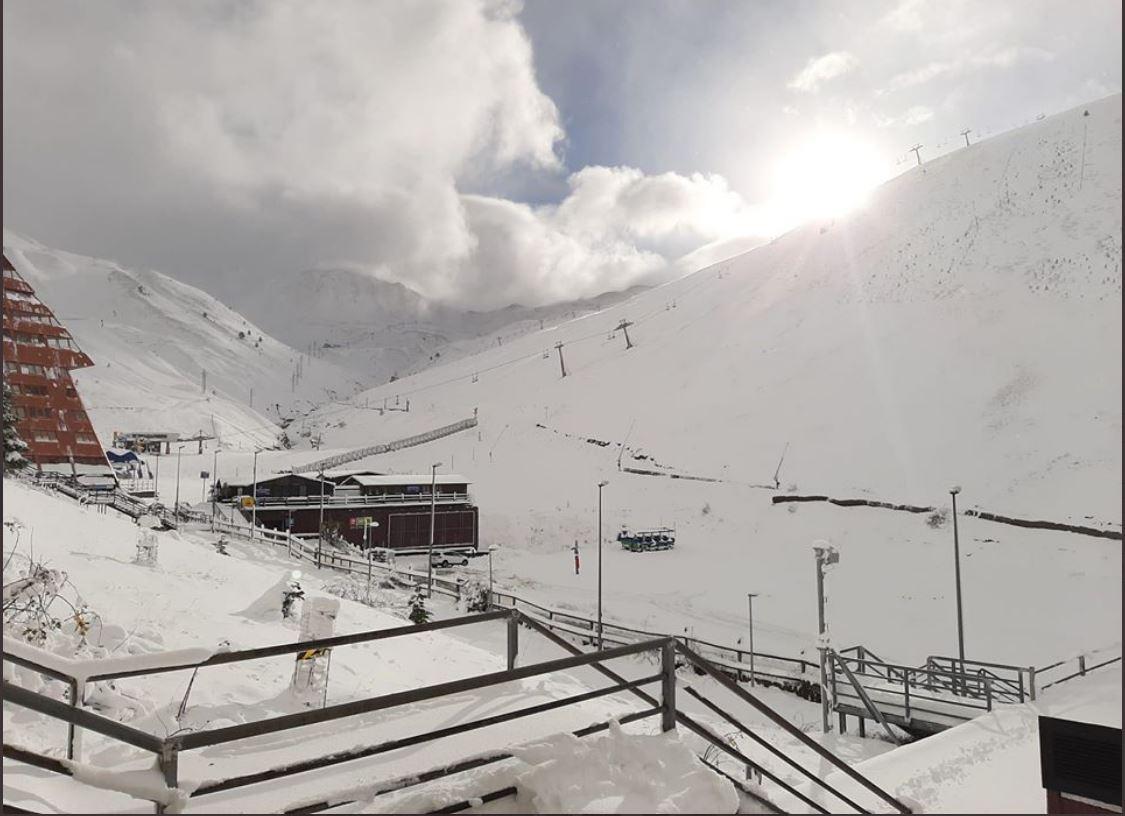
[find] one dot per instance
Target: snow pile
(619, 773)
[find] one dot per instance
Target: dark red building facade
(39, 354)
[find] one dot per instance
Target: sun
(825, 176)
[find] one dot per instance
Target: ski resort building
(39, 354)
(396, 507)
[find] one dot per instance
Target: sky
(486, 152)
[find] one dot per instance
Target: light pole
(176, 506)
(953, 491)
(750, 596)
(826, 554)
(214, 484)
(254, 506)
(601, 484)
(156, 485)
(433, 514)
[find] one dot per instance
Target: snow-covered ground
(195, 598)
(964, 328)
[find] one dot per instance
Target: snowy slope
(963, 328)
(152, 337)
(380, 329)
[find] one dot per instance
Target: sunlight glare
(826, 176)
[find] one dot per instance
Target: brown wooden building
(39, 355)
(398, 504)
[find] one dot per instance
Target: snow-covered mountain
(963, 328)
(154, 342)
(380, 329)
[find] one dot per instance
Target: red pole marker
(576, 563)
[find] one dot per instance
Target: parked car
(448, 559)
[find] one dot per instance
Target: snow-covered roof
(273, 477)
(407, 478)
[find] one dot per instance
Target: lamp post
(254, 506)
(601, 484)
(156, 485)
(953, 491)
(826, 555)
(750, 596)
(433, 513)
(214, 484)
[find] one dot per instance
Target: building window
(86, 439)
(45, 436)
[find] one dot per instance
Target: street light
(601, 484)
(826, 555)
(254, 491)
(953, 491)
(433, 512)
(750, 596)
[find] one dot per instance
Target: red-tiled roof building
(39, 355)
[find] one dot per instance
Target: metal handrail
(168, 749)
(789, 728)
(362, 500)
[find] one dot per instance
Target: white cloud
(821, 69)
(916, 115)
(616, 227)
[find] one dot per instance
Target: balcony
(265, 502)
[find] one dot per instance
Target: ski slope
(963, 328)
(152, 338)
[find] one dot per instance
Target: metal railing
(789, 672)
(169, 749)
(359, 501)
(1078, 666)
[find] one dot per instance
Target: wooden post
(862, 727)
(1031, 682)
(668, 687)
(1082, 665)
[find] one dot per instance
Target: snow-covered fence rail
(332, 558)
(984, 515)
(386, 447)
(792, 673)
(1078, 666)
(162, 786)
